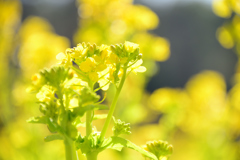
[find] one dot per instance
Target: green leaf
(109, 144)
(52, 126)
(118, 143)
(53, 137)
(100, 116)
(41, 119)
(55, 76)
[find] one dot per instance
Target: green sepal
(40, 119)
(53, 137)
(117, 143)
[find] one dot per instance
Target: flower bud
(113, 48)
(159, 148)
(120, 127)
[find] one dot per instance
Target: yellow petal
(93, 76)
(61, 56)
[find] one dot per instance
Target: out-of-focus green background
(189, 96)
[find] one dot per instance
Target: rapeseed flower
(46, 94)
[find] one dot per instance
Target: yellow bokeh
(225, 38)
(39, 45)
(114, 21)
(222, 8)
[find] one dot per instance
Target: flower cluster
(103, 64)
(68, 88)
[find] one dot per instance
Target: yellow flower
(104, 80)
(136, 67)
(105, 52)
(64, 59)
(93, 76)
(79, 52)
(37, 79)
(130, 47)
(88, 65)
(73, 103)
(225, 38)
(100, 63)
(45, 94)
(222, 8)
(113, 58)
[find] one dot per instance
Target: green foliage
(88, 96)
(118, 143)
(53, 137)
(42, 120)
(59, 73)
(80, 111)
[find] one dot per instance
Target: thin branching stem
(113, 105)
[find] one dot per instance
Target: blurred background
(190, 95)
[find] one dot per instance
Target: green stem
(113, 105)
(63, 115)
(70, 149)
(92, 156)
(89, 115)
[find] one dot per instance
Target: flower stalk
(113, 105)
(70, 149)
(89, 116)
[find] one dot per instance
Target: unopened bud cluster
(159, 148)
(120, 127)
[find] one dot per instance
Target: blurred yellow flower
(222, 8)
(34, 55)
(225, 38)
